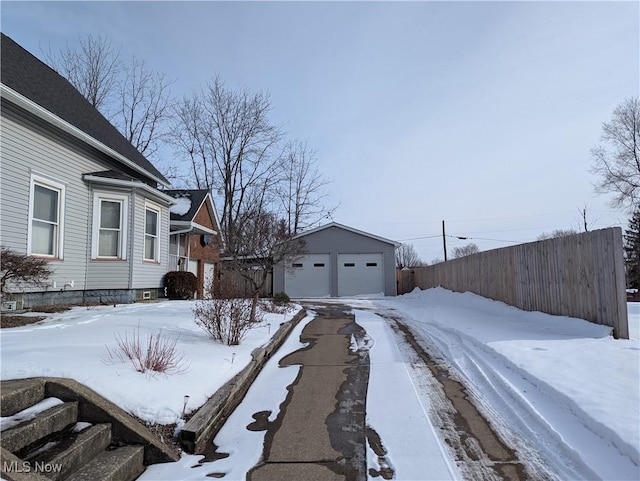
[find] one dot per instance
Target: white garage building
(339, 261)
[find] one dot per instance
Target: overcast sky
(478, 113)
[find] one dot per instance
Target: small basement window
(349, 264)
(318, 264)
(372, 264)
(296, 264)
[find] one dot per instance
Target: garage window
(349, 264)
(296, 264)
(318, 264)
(372, 264)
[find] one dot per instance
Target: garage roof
(350, 229)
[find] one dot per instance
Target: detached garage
(339, 261)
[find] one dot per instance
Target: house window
(109, 226)
(46, 217)
(151, 230)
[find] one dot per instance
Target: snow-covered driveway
(561, 391)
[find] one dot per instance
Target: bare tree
(232, 147)
(144, 101)
(556, 233)
(134, 98)
(617, 158)
(406, 256)
(302, 189)
(268, 242)
(93, 68)
(465, 250)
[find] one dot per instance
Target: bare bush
(226, 319)
(158, 354)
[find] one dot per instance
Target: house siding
(109, 274)
(335, 240)
(28, 148)
(146, 274)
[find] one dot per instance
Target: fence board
(579, 276)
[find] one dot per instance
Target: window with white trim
(109, 226)
(151, 234)
(46, 217)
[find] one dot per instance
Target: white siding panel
(26, 149)
(148, 274)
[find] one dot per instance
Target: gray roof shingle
(24, 73)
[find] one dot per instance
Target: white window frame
(54, 185)
(98, 197)
(158, 210)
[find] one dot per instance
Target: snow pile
(181, 207)
(74, 344)
(563, 383)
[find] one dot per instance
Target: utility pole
(444, 242)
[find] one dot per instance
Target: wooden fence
(579, 276)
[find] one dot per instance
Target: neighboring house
(76, 192)
(195, 239)
(339, 261)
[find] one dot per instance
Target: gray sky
(478, 113)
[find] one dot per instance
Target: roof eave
(20, 100)
(131, 185)
(347, 228)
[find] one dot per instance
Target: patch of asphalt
(345, 425)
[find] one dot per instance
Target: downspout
(131, 237)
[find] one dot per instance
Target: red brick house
(195, 238)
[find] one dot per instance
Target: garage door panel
(360, 274)
(308, 277)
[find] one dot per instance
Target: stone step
(72, 451)
(120, 464)
(22, 437)
(17, 395)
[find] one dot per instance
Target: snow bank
(568, 362)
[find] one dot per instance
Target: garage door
(360, 274)
(308, 277)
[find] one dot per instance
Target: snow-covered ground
(559, 389)
(74, 344)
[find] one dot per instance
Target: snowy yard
(562, 391)
(74, 344)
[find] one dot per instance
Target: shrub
(180, 284)
(225, 319)
(158, 354)
(22, 269)
(281, 299)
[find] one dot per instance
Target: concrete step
(17, 395)
(120, 464)
(72, 450)
(20, 438)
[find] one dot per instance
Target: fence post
(620, 321)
